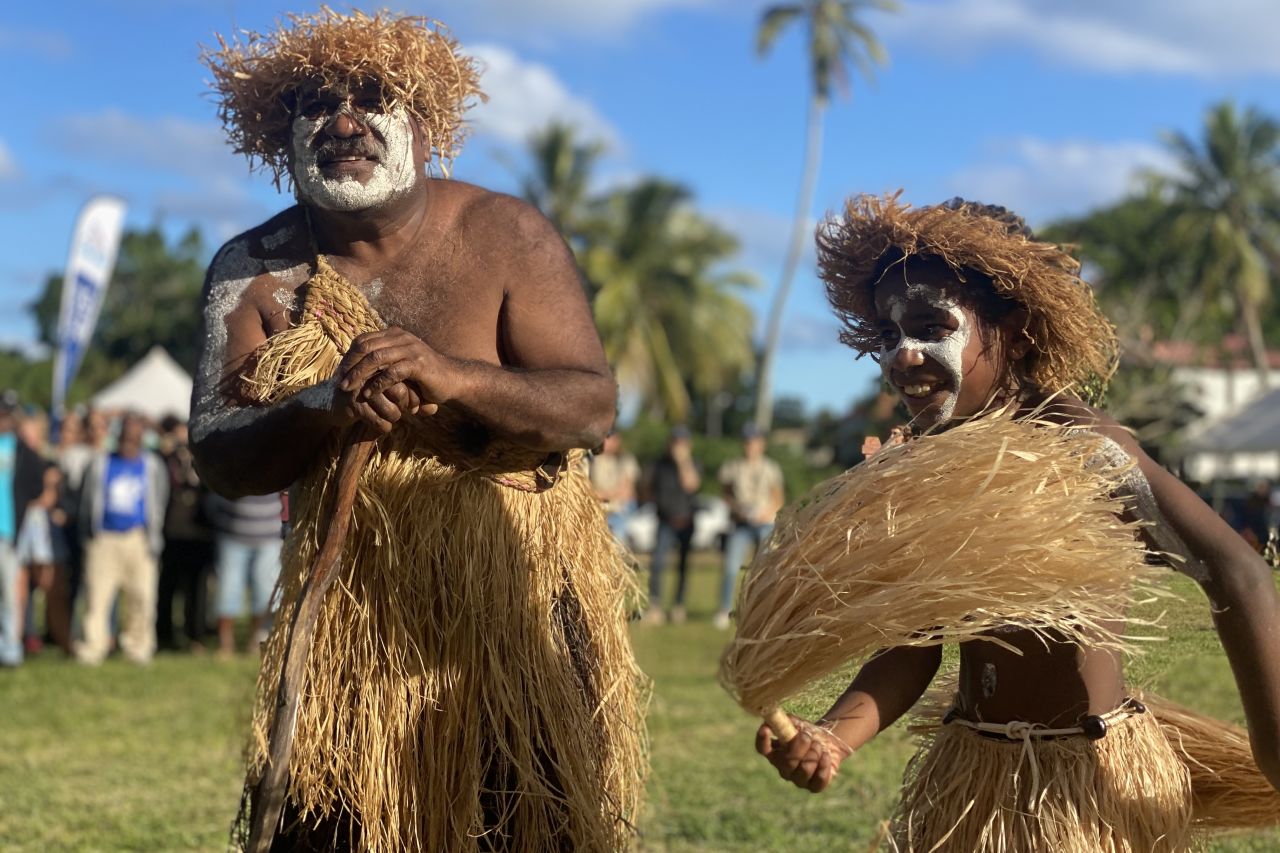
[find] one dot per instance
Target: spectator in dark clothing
(1257, 515)
(249, 540)
(21, 482)
(674, 485)
(187, 560)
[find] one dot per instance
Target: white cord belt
(1092, 726)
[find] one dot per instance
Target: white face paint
(394, 173)
(948, 352)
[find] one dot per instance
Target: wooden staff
(267, 799)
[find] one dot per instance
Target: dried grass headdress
(1073, 344)
(414, 59)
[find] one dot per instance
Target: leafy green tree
(558, 181)
(153, 299)
(1225, 206)
(667, 310)
(837, 39)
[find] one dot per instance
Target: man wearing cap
(752, 485)
(470, 684)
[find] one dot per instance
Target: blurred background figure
(248, 536)
(1257, 515)
(21, 484)
(124, 496)
(674, 486)
(74, 453)
(187, 560)
(614, 474)
(871, 445)
(753, 488)
(42, 552)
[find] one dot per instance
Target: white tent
(156, 386)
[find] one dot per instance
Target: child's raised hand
(809, 760)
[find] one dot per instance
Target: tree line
(1193, 255)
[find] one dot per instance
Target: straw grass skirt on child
(1128, 792)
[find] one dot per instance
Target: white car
(711, 524)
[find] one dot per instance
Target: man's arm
(241, 448)
(554, 390)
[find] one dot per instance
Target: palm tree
(837, 39)
(559, 182)
(1225, 206)
(666, 309)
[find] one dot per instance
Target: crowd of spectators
(750, 486)
(109, 543)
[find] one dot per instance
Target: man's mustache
(364, 146)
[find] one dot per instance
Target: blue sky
(1046, 106)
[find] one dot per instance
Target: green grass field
(121, 758)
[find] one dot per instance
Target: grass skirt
(471, 673)
(1228, 790)
(471, 683)
(1127, 793)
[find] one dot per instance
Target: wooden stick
(783, 729)
(267, 799)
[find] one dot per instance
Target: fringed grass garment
(1228, 790)
(471, 683)
(994, 522)
(967, 792)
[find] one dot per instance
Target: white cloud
(190, 171)
(810, 332)
(1043, 179)
(163, 143)
(1157, 36)
(224, 206)
(8, 166)
(44, 44)
(525, 96)
(580, 17)
(764, 237)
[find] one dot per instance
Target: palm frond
(772, 22)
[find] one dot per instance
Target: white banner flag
(89, 264)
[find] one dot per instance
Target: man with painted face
(471, 684)
(1043, 749)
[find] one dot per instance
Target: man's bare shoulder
(479, 209)
(272, 253)
(510, 234)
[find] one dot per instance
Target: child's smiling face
(935, 352)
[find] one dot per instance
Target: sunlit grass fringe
(1228, 790)
(1126, 793)
(471, 670)
(993, 522)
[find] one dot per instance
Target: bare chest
(448, 307)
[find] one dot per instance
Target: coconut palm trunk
(800, 237)
(836, 39)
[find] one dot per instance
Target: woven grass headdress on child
(1072, 344)
(413, 60)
